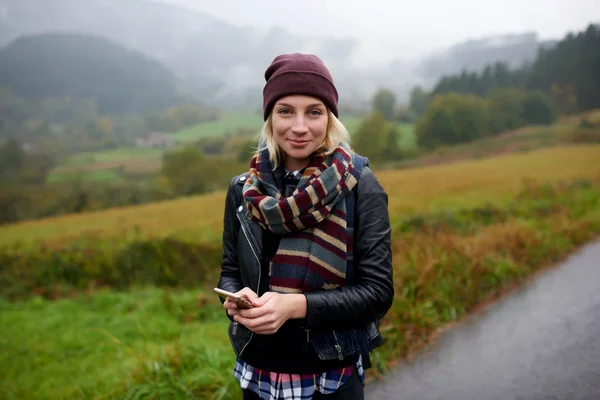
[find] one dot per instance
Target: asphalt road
(540, 343)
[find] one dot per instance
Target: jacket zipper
(338, 347)
(234, 331)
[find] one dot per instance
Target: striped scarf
(312, 221)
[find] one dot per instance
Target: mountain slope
(515, 50)
(86, 67)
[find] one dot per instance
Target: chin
(299, 154)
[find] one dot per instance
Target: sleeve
(370, 296)
(230, 279)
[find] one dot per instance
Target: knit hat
(297, 73)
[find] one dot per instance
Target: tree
(451, 119)
(391, 151)
(384, 102)
(185, 170)
(573, 61)
(568, 71)
(505, 109)
(435, 128)
(12, 161)
(563, 98)
(18, 167)
(419, 99)
(371, 137)
(537, 108)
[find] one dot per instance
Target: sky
(418, 26)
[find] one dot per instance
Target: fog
(220, 49)
(389, 29)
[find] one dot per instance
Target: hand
(231, 307)
(271, 311)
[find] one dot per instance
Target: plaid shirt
(283, 386)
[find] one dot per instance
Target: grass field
(148, 160)
(411, 191)
(99, 175)
(149, 343)
(563, 132)
(227, 123)
(406, 140)
(119, 154)
(105, 165)
(54, 339)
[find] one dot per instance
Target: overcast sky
(415, 25)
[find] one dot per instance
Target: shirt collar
(297, 174)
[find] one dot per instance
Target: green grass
(200, 218)
(406, 139)
(101, 175)
(128, 154)
(351, 123)
(152, 343)
(92, 346)
(227, 123)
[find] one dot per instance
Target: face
(299, 128)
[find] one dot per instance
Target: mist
(387, 30)
(219, 50)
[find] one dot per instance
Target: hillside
(513, 50)
(61, 65)
(567, 130)
(199, 218)
(220, 62)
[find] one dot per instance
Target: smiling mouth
(298, 142)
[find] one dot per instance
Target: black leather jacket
(361, 303)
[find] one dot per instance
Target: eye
(284, 111)
(315, 112)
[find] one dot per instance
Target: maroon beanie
(305, 74)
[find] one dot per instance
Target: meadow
(115, 164)
(491, 180)
(116, 303)
(228, 122)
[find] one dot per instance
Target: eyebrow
(309, 106)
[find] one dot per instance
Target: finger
(231, 313)
(249, 293)
(229, 305)
(256, 312)
(264, 322)
(231, 302)
(262, 300)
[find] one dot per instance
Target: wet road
(540, 343)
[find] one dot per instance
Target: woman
(307, 240)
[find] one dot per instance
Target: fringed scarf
(315, 242)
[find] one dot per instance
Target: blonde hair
(335, 135)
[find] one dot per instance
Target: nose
(299, 126)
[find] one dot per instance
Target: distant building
(154, 139)
(27, 147)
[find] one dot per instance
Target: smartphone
(241, 302)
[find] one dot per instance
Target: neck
(293, 164)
